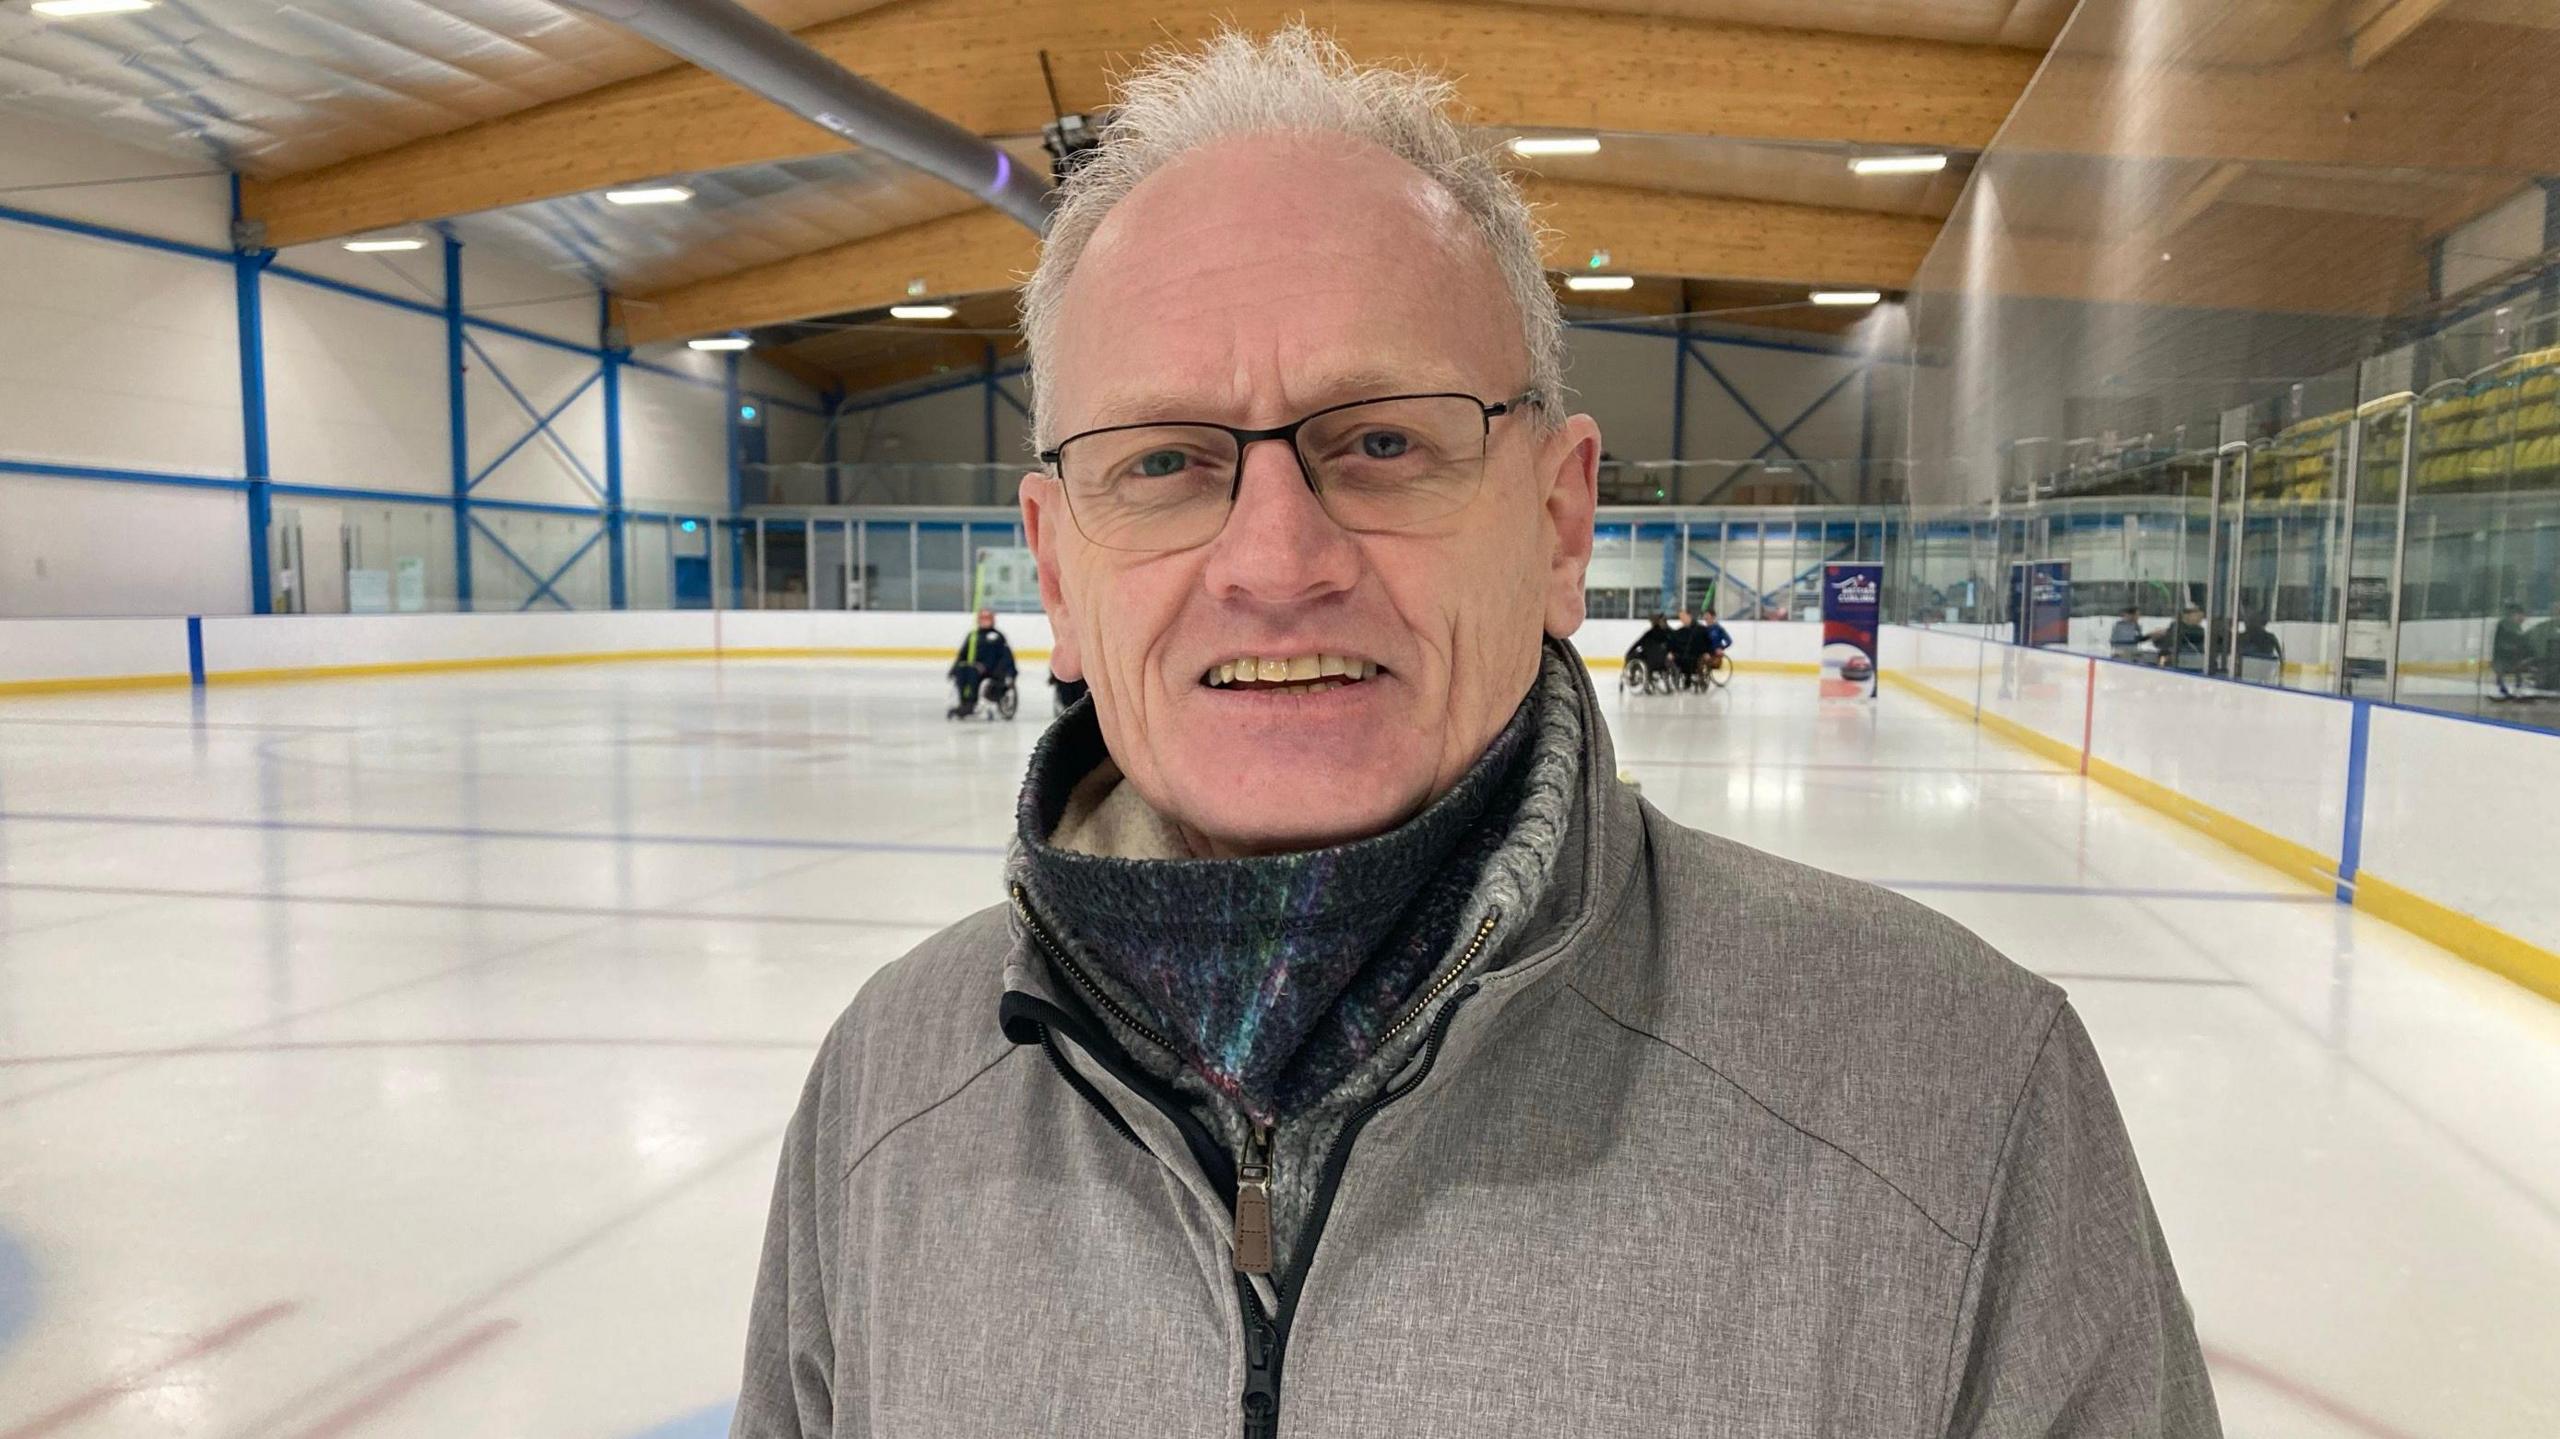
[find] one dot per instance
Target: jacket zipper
(1448, 977)
(1266, 1336)
(1253, 1204)
(1058, 952)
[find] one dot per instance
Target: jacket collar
(1593, 872)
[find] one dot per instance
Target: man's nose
(1279, 545)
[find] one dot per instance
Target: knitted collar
(1274, 976)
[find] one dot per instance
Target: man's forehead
(1134, 400)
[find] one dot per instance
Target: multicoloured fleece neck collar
(1274, 976)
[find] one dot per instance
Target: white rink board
(2467, 815)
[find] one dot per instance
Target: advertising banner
(1852, 606)
(2040, 603)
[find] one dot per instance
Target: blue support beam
(542, 425)
(829, 447)
(458, 422)
(541, 421)
(257, 467)
(1680, 401)
(617, 576)
(988, 401)
(736, 452)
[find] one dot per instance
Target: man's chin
(1311, 807)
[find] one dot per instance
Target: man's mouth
(1290, 674)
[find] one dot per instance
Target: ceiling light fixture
(1897, 164)
(378, 247)
(721, 342)
(1599, 282)
(650, 195)
(74, 9)
(921, 312)
(1846, 297)
(1533, 145)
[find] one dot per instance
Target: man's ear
(1044, 509)
(1570, 464)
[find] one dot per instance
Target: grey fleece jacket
(1729, 1147)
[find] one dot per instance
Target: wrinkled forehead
(1259, 278)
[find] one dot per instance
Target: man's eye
(1384, 445)
(1156, 464)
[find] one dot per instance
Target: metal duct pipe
(732, 42)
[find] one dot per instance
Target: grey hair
(1296, 81)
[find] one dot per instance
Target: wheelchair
(1662, 675)
(998, 697)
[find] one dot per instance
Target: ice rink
(408, 1056)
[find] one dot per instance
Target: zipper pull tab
(1253, 1205)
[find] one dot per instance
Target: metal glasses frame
(1052, 457)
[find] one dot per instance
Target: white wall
(355, 392)
(116, 356)
(124, 357)
(37, 155)
(674, 434)
(82, 547)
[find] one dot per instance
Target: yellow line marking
(93, 683)
(2464, 936)
(2483, 944)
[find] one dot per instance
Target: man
(986, 658)
(1657, 648)
(2125, 640)
(2181, 642)
(2258, 654)
(1701, 644)
(1371, 1060)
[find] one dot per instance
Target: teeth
(1307, 670)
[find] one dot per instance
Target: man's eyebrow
(1140, 407)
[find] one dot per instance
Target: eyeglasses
(1375, 466)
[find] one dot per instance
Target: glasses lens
(1159, 487)
(1394, 464)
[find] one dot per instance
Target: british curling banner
(1850, 611)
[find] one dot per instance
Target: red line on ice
(80, 1407)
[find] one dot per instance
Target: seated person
(1653, 648)
(1701, 643)
(2543, 641)
(1068, 693)
(2260, 653)
(985, 657)
(2126, 637)
(2181, 641)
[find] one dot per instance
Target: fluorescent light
(1846, 297)
(1556, 145)
(1898, 164)
(1599, 282)
(721, 342)
(376, 247)
(921, 312)
(73, 9)
(650, 195)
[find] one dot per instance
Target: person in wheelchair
(1651, 654)
(984, 669)
(1699, 646)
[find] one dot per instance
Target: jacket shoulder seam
(873, 1147)
(1982, 1221)
(1766, 1108)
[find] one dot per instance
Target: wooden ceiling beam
(975, 63)
(2428, 107)
(963, 254)
(1708, 237)
(1647, 232)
